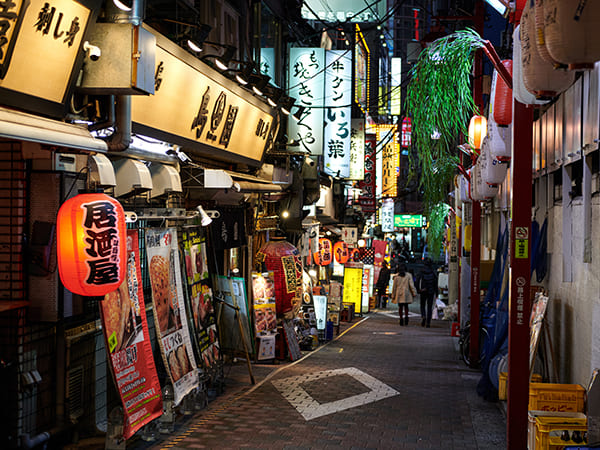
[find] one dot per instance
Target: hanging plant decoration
(440, 103)
(436, 228)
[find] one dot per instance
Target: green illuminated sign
(409, 221)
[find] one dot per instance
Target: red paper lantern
(341, 252)
(284, 260)
(325, 254)
(503, 98)
(91, 244)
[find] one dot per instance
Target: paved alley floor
(376, 386)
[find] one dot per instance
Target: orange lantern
(341, 252)
(477, 131)
(324, 256)
(91, 244)
(503, 98)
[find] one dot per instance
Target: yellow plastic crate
(549, 430)
(502, 384)
(556, 397)
(531, 423)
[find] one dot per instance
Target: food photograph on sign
(170, 314)
(263, 289)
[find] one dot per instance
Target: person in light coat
(403, 292)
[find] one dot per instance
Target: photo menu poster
(169, 310)
(263, 289)
(200, 297)
(128, 345)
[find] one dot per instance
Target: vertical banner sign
(267, 62)
(367, 199)
(357, 150)
(338, 111)
(204, 323)
(380, 248)
(406, 136)
(387, 140)
(306, 79)
(169, 310)
(396, 93)
(365, 288)
(353, 287)
(263, 289)
(128, 343)
(361, 71)
(320, 302)
(387, 215)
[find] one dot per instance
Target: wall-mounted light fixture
(273, 95)
(286, 105)
(122, 6)
(258, 83)
(222, 61)
(205, 219)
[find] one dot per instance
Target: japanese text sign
(306, 80)
(367, 199)
(338, 110)
(357, 150)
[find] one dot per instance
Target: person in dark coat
(427, 286)
(382, 283)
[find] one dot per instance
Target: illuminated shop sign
(409, 221)
(192, 104)
(361, 71)
(338, 110)
(387, 140)
(267, 62)
(387, 215)
(344, 10)
(357, 150)
(40, 44)
(306, 81)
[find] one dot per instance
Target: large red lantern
(91, 244)
(503, 98)
(284, 260)
(341, 253)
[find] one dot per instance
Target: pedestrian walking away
(381, 285)
(427, 285)
(403, 292)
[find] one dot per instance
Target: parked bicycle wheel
(465, 345)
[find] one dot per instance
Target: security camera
(92, 51)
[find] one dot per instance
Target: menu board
(204, 323)
(169, 310)
(128, 343)
(263, 290)
(233, 295)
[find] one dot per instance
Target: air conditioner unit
(133, 177)
(165, 180)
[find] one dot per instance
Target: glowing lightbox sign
(267, 62)
(387, 141)
(357, 150)
(387, 215)
(409, 221)
(342, 10)
(396, 93)
(338, 111)
(361, 71)
(306, 79)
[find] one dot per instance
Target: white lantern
(480, 190)
(520, 92)
(492, 171)
(499, 140)
(540, 77)
(463, 189)
(571, 32)
(477, 131)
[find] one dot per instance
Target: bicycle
(464, 343)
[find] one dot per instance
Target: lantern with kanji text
(324, 255)
(341, 252)
(91, 244)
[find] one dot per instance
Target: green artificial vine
(439, 101)
(436, 228)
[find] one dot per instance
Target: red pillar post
(476, 211)
(520, 276)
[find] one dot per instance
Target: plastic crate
(548, 431)
(531, 424)
(502, 384)
(556, 397)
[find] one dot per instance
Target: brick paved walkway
(377, 386)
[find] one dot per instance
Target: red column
(475, 288)
(519, 303)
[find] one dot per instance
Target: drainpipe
(121, 137)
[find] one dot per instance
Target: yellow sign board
(521, 248)
(39, 46)
(199, 105)
(353, 287)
